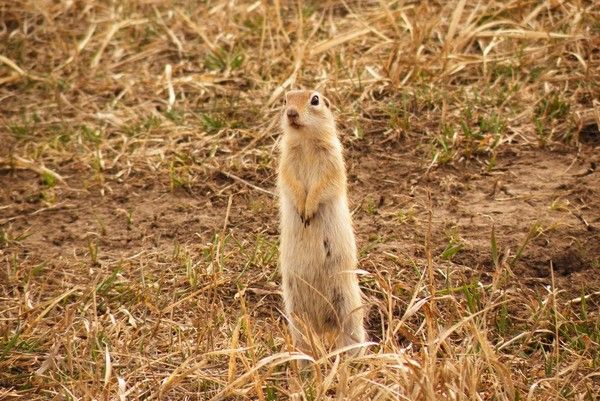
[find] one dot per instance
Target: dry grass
(178, 102)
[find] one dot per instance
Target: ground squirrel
(318, 249)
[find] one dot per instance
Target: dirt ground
(553, 191)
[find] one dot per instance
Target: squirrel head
(307, 112)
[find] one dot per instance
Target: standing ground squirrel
(318, 250)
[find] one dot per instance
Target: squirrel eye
(315, 100)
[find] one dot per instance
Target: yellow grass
(102, 98)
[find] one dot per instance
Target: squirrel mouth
(295, 125)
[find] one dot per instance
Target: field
(138, 209)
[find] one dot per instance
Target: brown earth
(553, 191)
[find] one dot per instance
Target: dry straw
(102, 100)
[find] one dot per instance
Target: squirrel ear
(326, 101)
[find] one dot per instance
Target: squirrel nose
(292, 113)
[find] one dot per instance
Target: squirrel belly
(318, 262)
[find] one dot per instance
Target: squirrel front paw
(310, 209)
(304, 219)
